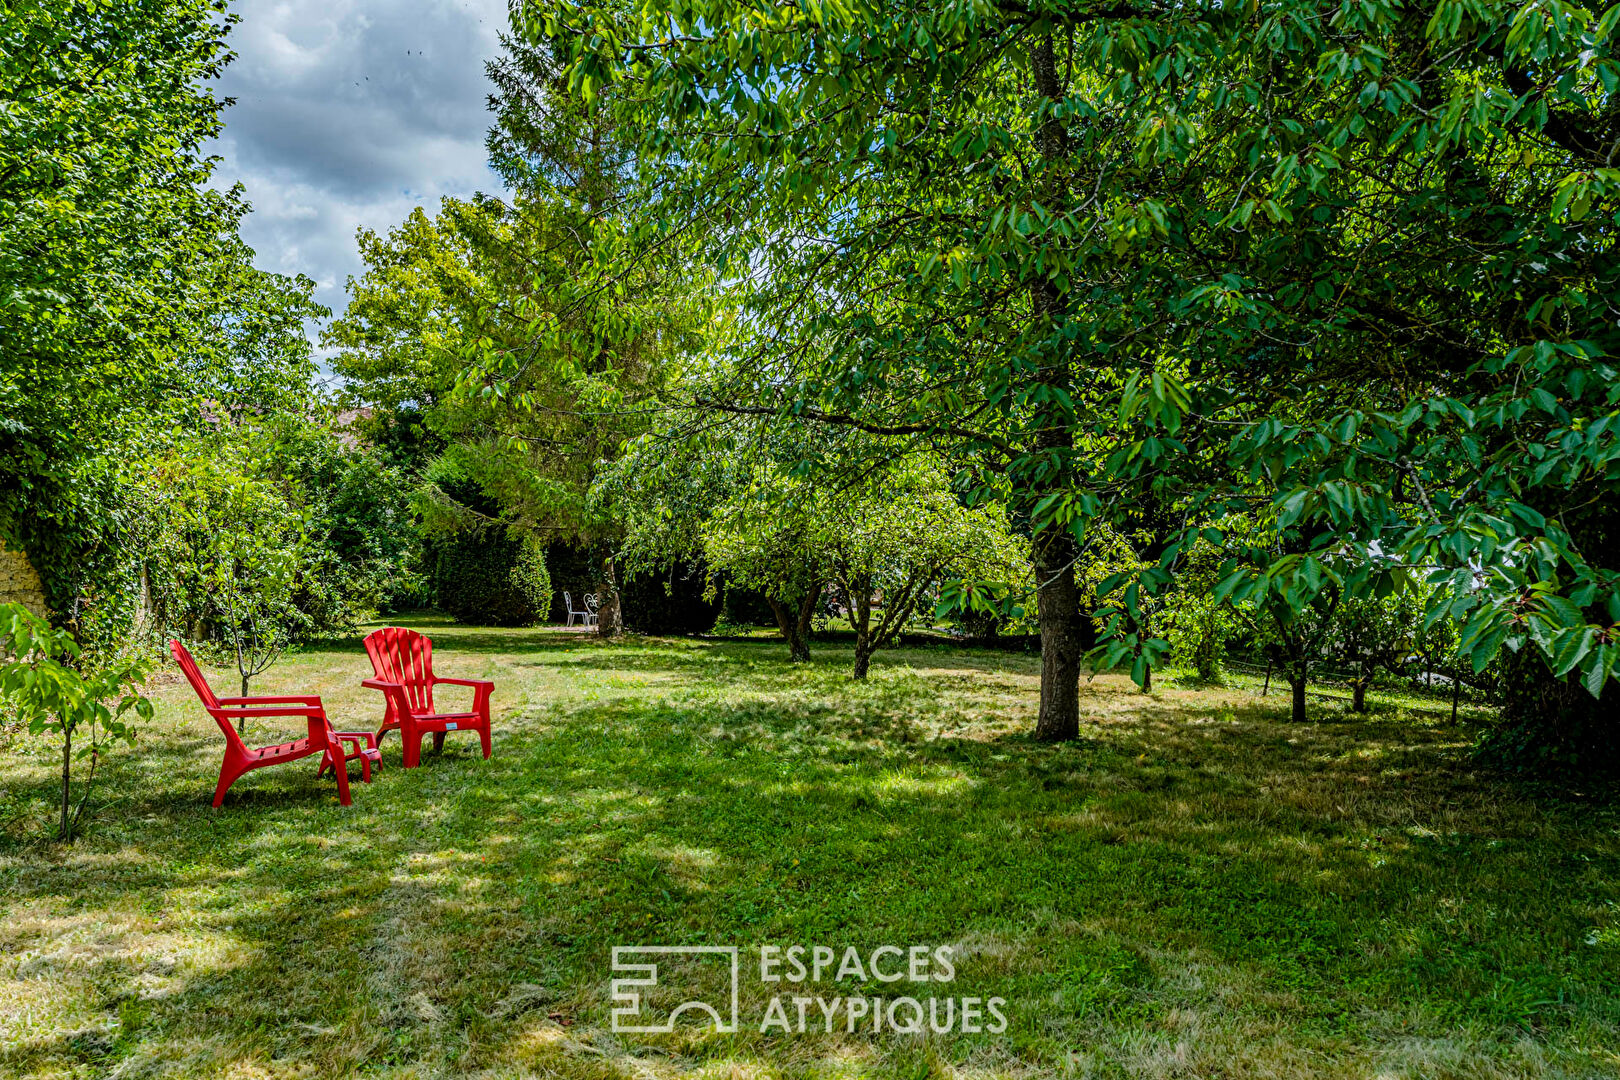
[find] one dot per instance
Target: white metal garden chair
(586, 614)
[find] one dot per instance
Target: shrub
(668, 600)
(491, 579)
(52, 686)
(979, 625)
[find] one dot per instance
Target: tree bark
(1057, 600)
(807, 611)
(858, 598)
(1358, 690)
(609, 617)
(794, 624)
(1296, 680)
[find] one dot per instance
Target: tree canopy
(1349, 265)
(128, 305)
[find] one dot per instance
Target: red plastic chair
(403, 662)
(321, 740)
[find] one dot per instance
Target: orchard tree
(898, 537)
(1292, 629)
(1373, 634)
(771, 535)
(721, 495)
(232, 550)
(881, 531)
(884, 544)
(1197, 626)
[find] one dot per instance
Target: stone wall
(19, 581)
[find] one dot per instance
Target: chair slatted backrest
(403, 656)
(194, 676)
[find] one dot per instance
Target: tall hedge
(1551, 725)
(747, 607)
(669, 602)
(491, 579)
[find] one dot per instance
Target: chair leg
(483, 737)
(413, 747)
(226, 779)
(342, 774)
(360, 747)
(438, 742)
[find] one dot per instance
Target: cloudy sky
(350, 113)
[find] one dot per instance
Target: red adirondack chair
(403, 662)
(239, 758)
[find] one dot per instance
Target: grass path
(1195, 888)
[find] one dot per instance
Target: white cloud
(350, 113)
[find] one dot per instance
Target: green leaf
(1571, 647)
(1597, 669)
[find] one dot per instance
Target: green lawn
(1195, 888)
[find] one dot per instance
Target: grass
(1194, 888)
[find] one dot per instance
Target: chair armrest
(463, 682)
(398, 704)
(367, 737)
(244, 713)
(303, 699)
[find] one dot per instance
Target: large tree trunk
(1358, 691)
(1057, 598)
(1058, 604)
(807, 611)
(609, 617)
(1296, 680)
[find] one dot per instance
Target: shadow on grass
(1304, 887)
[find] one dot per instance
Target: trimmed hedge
(491, 580)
